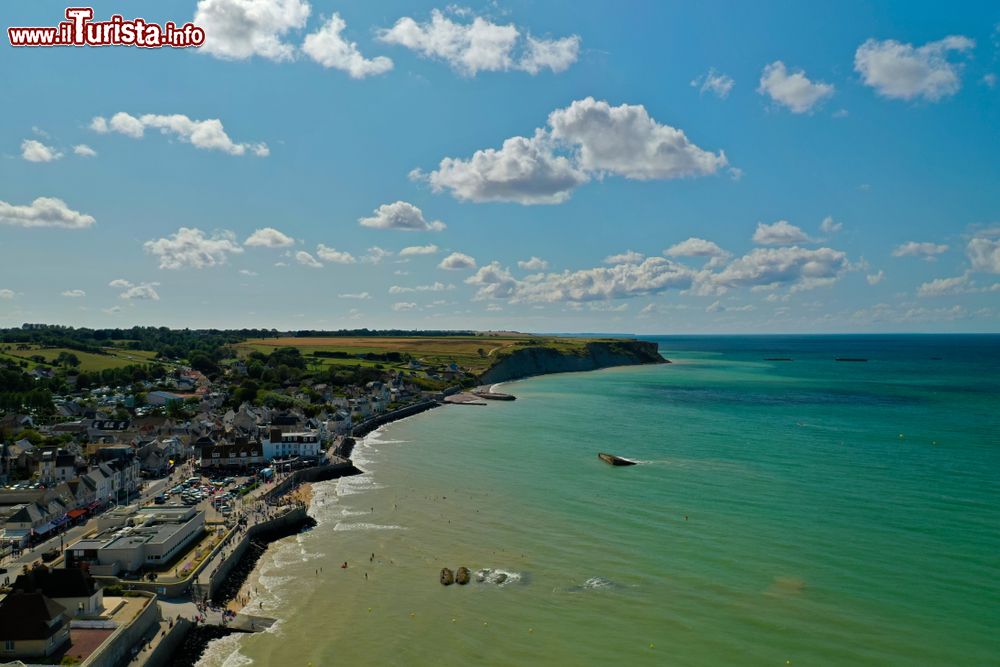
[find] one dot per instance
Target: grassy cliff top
(473, 352)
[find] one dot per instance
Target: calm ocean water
(807, 512)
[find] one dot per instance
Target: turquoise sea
(804, 512)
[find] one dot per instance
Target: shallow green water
(810, 511)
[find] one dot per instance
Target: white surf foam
(224, 652)
(365, 526)
(597, 582)
(497, 576)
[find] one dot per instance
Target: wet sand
(247, 590)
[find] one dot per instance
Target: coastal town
(143, 471)
(126, 509)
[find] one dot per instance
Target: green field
(474, 353)
(115, 358)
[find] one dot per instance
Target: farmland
(475, 353)
(115, 358)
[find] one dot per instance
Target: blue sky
(653, 167)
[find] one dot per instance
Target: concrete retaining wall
(163, 653)
(369, 425)
(313, 474)
(117, 648)
(291, 518)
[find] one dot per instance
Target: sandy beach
(247, 591)
(303, 493)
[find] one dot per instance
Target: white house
(286, 445)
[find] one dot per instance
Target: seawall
(540, 360)
(117, 648)
(227, 579)
(369, 425)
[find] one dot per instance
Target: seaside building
(242, 454)
(72, 588)
(157, 535)
(31, 626)
(303, 444)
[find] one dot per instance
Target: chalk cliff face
(540, 360)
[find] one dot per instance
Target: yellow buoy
(453, 620)
(530, 630)
(369, 610)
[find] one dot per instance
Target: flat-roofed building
(157, 535)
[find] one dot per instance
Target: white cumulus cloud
(457, 261)
(83, 150)
(903, 71)
(792, 90)
(434, 287)
(984, 253)
(329, 48)
(792, 266)
(554, 54)
(74, 293)
(781, 232)
(481, 45)
(328, 254)
(830, 226)
(627, 257)
(205, 134)
(925, 250)
(523, 170)
(649, 276)
(698, 247)
(945, 286)
(191, 248)
(403, 216)
(7, 294)
(714, 82)
(305, 259)
(269, 237)
(355, 295)
(533, 264)
(626, 141)
(239, 29)
(376, 255)
(412, 250)
(44, 212)
(36, 151)
(132, 291)
(587, 139)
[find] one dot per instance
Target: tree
(203, 363)
(68, 359)
(247, 393)
(175, 410)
